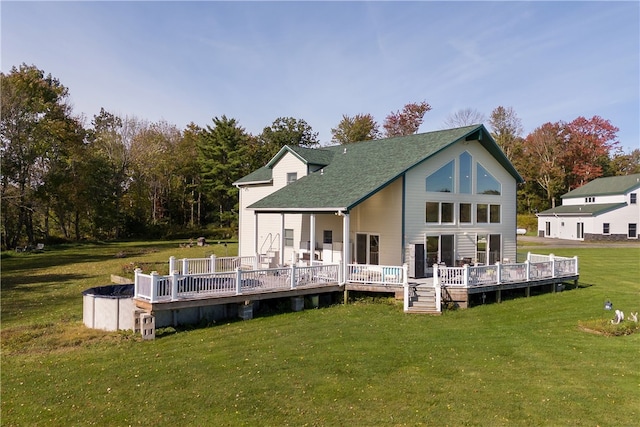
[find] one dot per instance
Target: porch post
(255, 233)
(346, 256)
(312, 238)
(282, 239)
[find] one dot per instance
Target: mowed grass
(522, 362)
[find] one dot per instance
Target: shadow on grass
(11, 283)
(61, 255)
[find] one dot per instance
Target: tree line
(113, 177)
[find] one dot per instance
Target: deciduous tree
(33, 106)
(361, 127)
(464, 117)
(544, 148)
(407, 121)
(588, 146)
(506, 129)
(285, 131)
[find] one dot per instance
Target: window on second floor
(437, 212)
(633, 198)
(441, 180)
(465, 212)
(487, 213)
(486, 183)
(465, 173)
(292, 177)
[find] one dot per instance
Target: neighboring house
(439, 197)
(603, 209)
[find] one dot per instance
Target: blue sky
(257, 61)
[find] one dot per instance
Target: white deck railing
(377, 274)
(156, 288)
(211, 264)
(536, 267)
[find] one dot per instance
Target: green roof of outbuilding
(606, 186)
(590, 209)
(358, 170)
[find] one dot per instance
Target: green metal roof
(606, 186)
(358, 170)
(590, 209)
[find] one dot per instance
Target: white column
(255, 233)
(312, 237)
(281, 239)
(346, 256)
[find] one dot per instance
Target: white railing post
(405, 273)
(527, 267)
(185, 266)
(438, 290)
(154, 286)
(576, 264)
(406, 297)
(293, 276)
(553, 265)
(136, 281)
(436, 275)
(529, 256)
(465, 275)
(238, 281)
(498, 273)
(172, 263)
(341, 280)
(256, 261)
(213, 263)
(174, 285)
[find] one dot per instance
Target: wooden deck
(185, 290)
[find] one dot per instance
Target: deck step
(423, 300)
(421, 310)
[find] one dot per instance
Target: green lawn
(522, 362)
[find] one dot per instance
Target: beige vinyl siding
(269, 224)
(381, 214)
(287, 164)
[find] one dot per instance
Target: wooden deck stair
(423, 300)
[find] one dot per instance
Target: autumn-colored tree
(407, 121)
(588, 145)
(361, 127)
(464, 117)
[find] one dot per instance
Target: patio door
(367, 248)
(440, 249)
(489, 248)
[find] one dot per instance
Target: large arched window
(441, 181)
(486, 183)
(465, 173)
